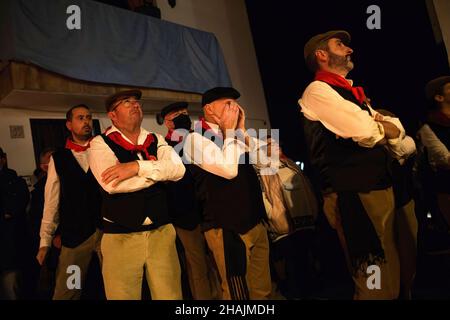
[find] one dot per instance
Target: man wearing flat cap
(184, 208)
(130, 163)
(349, 145)
(230, 194)
(435, 137)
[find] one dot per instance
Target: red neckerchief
(76, 147)
(439, 118)
(142, 148)
(169, 136)
(339, 81)
(205, 126)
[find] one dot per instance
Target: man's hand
(120, 172)
(42, 254)
(390, 130)
(57, 241)
(241, 119)
(229, 118)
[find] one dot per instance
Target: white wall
(20, 151)
(228, 20)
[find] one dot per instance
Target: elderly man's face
(127, 112)
(339, 55)
(217, 107)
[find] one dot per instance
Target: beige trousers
(125, 256)
(202, 279)
(379, 205)
(79, 256)
(258, 272)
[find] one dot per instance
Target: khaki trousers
(79, 256)
(125, 256)
(258, 272)
(379, 206)
(406, 228)
(202, 279)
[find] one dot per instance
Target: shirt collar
(213, 126)
(141, 139)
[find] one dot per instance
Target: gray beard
(339, 62)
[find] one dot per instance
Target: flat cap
(313, 44)
(121, 95)
(434, 86)
(168, 109)
(219, 93)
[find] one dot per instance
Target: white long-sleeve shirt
(320, 102)
(168, 167)
(50, 216)
(224, 161)
(438, 153)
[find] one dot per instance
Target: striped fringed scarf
(236, 265)
(363, 244)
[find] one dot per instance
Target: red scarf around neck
(339, 81)
(169, 136)
(76, 147)
(205, 126)
(118, 139)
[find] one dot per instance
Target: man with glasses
(130, 163)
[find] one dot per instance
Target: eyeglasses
(127, 103)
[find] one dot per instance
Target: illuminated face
(81, 123)
(339, 55)
(127, 112)
(217, 107)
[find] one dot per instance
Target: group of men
(128, 193)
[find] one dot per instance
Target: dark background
(393, 64)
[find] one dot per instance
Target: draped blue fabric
(113, 46)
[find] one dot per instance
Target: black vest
(343, 165)
(441, 178)
(184, 207)
(129, 210)
(80, 200)
(235, 204)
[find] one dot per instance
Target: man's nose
(349, 50)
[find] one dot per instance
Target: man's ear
(321, 55)
(438, 98)
(69, 125)
(111, 115)
(207, 109)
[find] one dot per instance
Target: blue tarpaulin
(113, 46)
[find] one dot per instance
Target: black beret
(219, 93)
(169, 108)
(121, 95)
